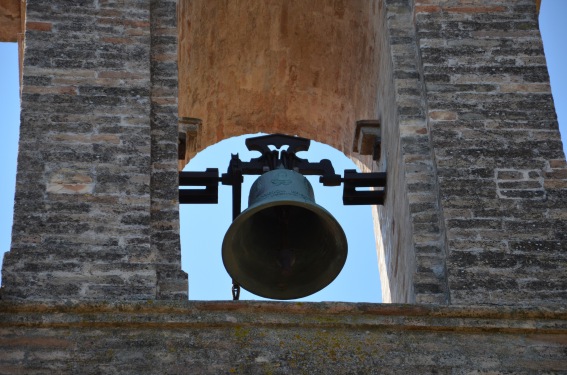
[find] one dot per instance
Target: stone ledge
(180, 314)
(278, 338)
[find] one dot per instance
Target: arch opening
(249, 66)
(203, 227)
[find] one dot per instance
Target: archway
(203, 228)
(250, 67)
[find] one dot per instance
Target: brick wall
(469, 117)
(98, 109)
(414, 269)
(164, 208)
(497, 151)
(476, 204)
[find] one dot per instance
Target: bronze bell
(284, 245)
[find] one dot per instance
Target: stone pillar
(96, 210)
(497, 152)
(473, 150)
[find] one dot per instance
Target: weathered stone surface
(279, 338)
(10, 20)
(305, 68)
(165, 245)
(408, 160)
(98, 137)
(493, 130)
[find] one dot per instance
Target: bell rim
(311, 206)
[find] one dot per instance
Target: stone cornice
(189, 314)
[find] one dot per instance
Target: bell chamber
(284, 245)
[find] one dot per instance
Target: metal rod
(236, 177)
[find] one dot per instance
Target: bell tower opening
(248, 67)
(203, 227)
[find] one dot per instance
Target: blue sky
(203, 226)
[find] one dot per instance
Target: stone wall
(165, 243)
(278, 338)
(476, 195)
(96, 184)
(497, 151)
(412, 262)
(475, 212)
(480, 154)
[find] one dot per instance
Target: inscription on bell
(281, 178)
(278, 194)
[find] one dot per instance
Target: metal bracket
(271, 159)
(208, 179)
(353, 180)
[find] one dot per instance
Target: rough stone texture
(475, 214)
(90, 214)
(305, 67)
(279, 338)
(412, 264)
(476, 196)
(164, 211)
(497, 151)
(10, 20)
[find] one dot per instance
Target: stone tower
(471, 239)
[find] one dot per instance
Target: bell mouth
(284, 248)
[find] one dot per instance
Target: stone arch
(290, 77)
(248, 67)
